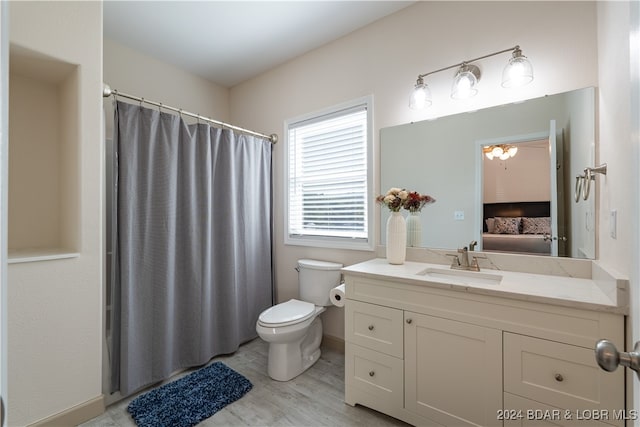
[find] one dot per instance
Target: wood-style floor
(314, 398)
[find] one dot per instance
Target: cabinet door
(453, 371)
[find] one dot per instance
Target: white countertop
(604, 294)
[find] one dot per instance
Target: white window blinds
(328, 176)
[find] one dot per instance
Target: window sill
(346, 244)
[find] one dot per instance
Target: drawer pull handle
(559, 378)
(371, 373)
(409, 321)
(371, 327)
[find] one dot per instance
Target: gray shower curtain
(192, 253)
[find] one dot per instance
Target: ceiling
(228, 42)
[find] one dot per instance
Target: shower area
(188, 240)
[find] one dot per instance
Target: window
(329, 178)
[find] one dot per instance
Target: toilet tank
(315, 280)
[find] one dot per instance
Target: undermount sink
(462, 276)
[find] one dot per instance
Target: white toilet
(293, 329)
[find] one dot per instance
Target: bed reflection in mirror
(528, 194)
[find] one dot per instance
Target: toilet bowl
(293, 328)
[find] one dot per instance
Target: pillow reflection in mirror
(491, 225)
(506, 225)
(540, 225)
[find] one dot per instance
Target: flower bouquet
(399, 232)
(394, 199)
(414, 202)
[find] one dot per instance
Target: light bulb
(465, 81)
(489, 155)
(420, 96)
(518, 71)
(464, 87)
(512, 150)
(497, 151)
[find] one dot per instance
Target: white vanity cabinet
(433, 356)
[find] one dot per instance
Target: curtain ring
(141, 101)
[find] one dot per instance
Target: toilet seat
(287, 313)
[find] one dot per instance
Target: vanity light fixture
(518, 72)
(421, 96)
(500, 151)
(465, 82)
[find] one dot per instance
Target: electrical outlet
(458, 215)
(613, 223)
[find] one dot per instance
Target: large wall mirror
(521, 204)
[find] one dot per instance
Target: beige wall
(511, 180)
(385, 58)
(34, 209)
(55, 308)
(614, 146)
(137, 74)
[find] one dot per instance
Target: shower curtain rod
(107, 92)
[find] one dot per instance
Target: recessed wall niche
(44, 141)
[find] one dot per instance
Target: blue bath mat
(191, 399)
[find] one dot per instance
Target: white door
(607, 355)
(4, 151)
(634, 318)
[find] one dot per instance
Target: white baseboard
(75, 415)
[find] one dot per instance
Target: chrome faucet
(472, 245)
(463, 258)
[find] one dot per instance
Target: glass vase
(414, 230)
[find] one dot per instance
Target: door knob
(608, 357)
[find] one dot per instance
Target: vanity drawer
(561, 375)
(521, 412)
(375, 327)
(377, 374)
